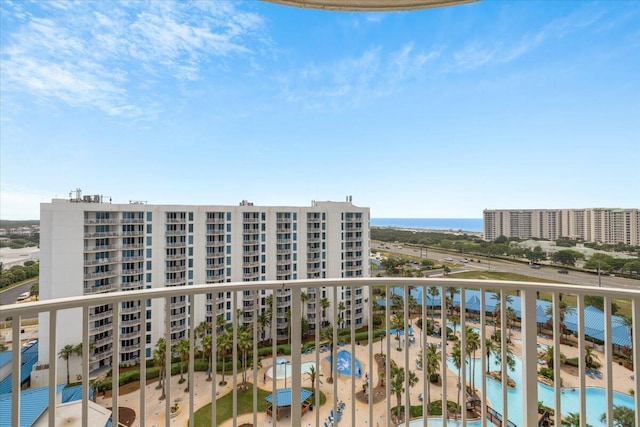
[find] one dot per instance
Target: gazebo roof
(284, 396)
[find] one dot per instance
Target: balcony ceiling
(371, 5)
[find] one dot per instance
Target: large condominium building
(89, 246)
(609, 226)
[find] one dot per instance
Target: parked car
(563, 271)
(536, 266)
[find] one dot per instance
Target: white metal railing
(466, 310)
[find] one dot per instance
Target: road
(545, 272)
(10, 296)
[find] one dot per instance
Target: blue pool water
(437, 422)
(343, 362)
(595, 396)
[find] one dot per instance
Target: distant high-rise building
(89, 246)
(608, 226)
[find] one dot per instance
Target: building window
(149, 216)
(190, 228)
(149, 228)
(190, 216)
(148, 277)
(148, 241)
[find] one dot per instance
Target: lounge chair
(590, 373)
(420, 397)
(597, 373)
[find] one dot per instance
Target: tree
(563, 310)
(456, 356)
(326, 334)
(313, 376)
(567, 257)
(341, 309)
(207, 347)
(397, 323)
(589, 357)
(473, 345)
(433, 293)
(572, 420)
(622, 417)
(224, 345)
(245, 342)
(65, 353)
(432, 366)
(201, 331)
(548, 356)
(159, 354)
(536, 255)
(182, 347)
(397, 384)
(35, 290)
(324, 305)
(264, 320)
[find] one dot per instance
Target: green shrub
(546, 372)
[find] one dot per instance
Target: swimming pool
(284, 370)
(343, 362)
(595, 396)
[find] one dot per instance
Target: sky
(438, 113)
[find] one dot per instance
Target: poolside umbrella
(280, 361)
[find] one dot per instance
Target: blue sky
(433, 113)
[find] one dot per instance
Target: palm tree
(397, 322)
(413, 380)
(224, 345)
(397, 384)
(496, 309)
(622, 417)
(473, 345)
(201, 331)
(548, 356)
(452, 293)
(207, 347)
(159, 354)
(324, 305)
(572, 420)
(220, 323)
(413, 306)
(326, 334)
(433, 293)
(563, 310)
(65, 353)
(182, 347)
(264, 320)
(35, 290)
(245, 342)
(491, 348)
(313, 376)
(456, 356)
(341, 308)
(431, 366)
(589, 357)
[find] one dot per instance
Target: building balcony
(215, 244)
(250, 220)
(251, 275)
(250, 264)
(216, 278)
(217, 232)
(175, 233)
(283, 220)
(250, 242)
(314, 239)
(132, 233)
(176, 244)
(100, 221)
(101, 248)
(133, 258)
(175, 268)
(132, 221)
(132, 272)
(94, 317)
(215, 220)
(100, 289)
(178, 281)
(283, 240)
(283, 251)
(132, 286)
(100, 234)
(133, 246)
(530, 330)
(176, 220)
(127, 323)
(131, 309)
(101, 261)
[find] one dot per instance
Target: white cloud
(102, 55)
(351, 80)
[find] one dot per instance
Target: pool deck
(155, 408)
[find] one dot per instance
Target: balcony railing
(475, 304)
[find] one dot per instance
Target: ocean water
(466, 224)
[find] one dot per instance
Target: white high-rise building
(90, 246)
(604, 225)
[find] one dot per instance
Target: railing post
(296, 359)
(529, 357)
(16, 362)
(53, 367)
(635, 345)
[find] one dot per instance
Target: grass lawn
(202, 416)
